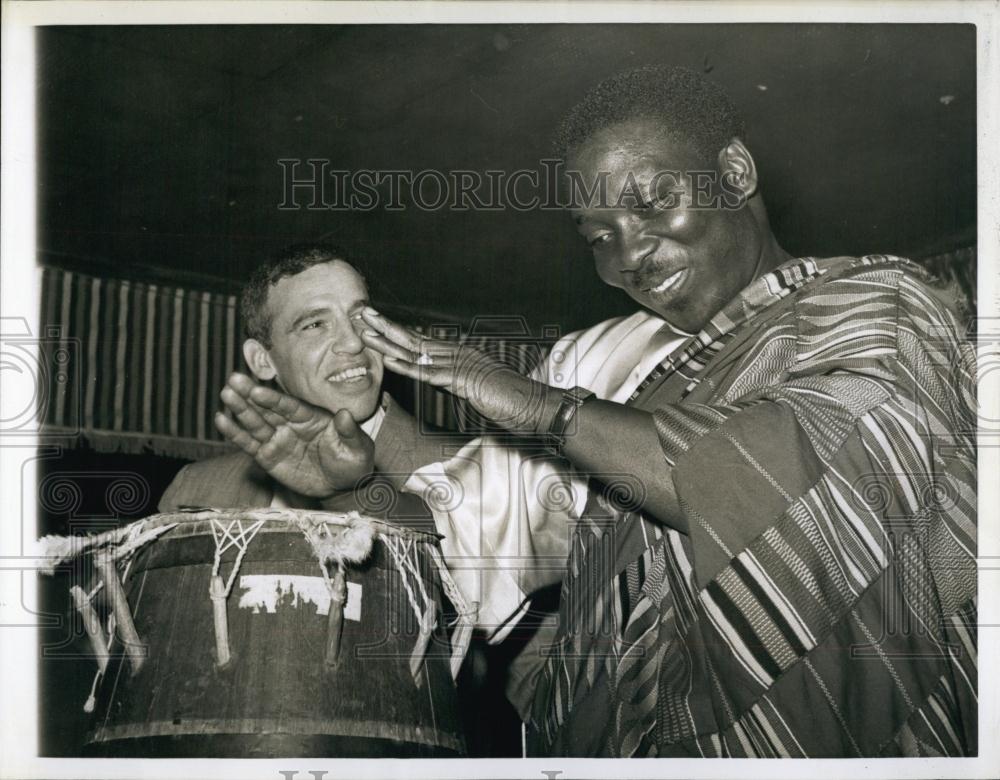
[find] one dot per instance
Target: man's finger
(387, 347)
(401, 336)
(273, 419)
(232, 399)
(236, 434)
(289, 407)
(241, 384)
(275, 450)
(262, 395)
(406, 368)
(435, 376)
(246, 415)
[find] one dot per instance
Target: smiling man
(674, 244)
(766, 531)
(305, 423)
(302, 335)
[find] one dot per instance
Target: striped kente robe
(821, 434)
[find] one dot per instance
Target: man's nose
(633, 249)
(347, 338)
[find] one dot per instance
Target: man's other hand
(303, 447)
(494, 389)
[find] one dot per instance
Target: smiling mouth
(669, 283)
(349, 375)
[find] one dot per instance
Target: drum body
(276, 696)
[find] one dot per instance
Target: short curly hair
(292, 261)
(688, 106)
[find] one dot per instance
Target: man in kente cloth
(794, 573)
(763, 509)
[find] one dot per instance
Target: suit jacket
(236, 481)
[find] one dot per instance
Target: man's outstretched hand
(303, 447)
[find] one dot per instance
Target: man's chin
(681, 318)
(361, 409)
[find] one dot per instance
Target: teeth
(669, 282)
(350, 373)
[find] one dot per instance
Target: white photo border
(19, 309)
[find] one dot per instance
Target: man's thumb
(346, 427)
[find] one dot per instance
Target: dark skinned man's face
(671, 248)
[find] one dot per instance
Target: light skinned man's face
(316, 353)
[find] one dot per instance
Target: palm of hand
(311, 457)
(294, 457)
(303, 447)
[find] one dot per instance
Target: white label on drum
(264, 593)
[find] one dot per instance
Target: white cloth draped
(505, 512)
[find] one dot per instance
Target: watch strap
(572, 400)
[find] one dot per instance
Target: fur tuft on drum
(272, 633)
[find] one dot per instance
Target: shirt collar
(373, 424)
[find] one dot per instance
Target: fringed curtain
(134, 366)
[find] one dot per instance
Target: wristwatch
(572, 399)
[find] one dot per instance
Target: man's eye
(312, 325)
(598, 239)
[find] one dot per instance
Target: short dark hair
(289, 262)
(688, 106)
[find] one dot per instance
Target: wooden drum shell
(276, 696)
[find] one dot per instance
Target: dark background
(158, 151)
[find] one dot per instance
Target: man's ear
(738, 170)
(259, 360)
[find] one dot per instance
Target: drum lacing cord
(100, 643)
(224, 539)
(466, 618)
(336, 586)
(352, 543)
(403, 553)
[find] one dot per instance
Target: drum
(268, 633)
